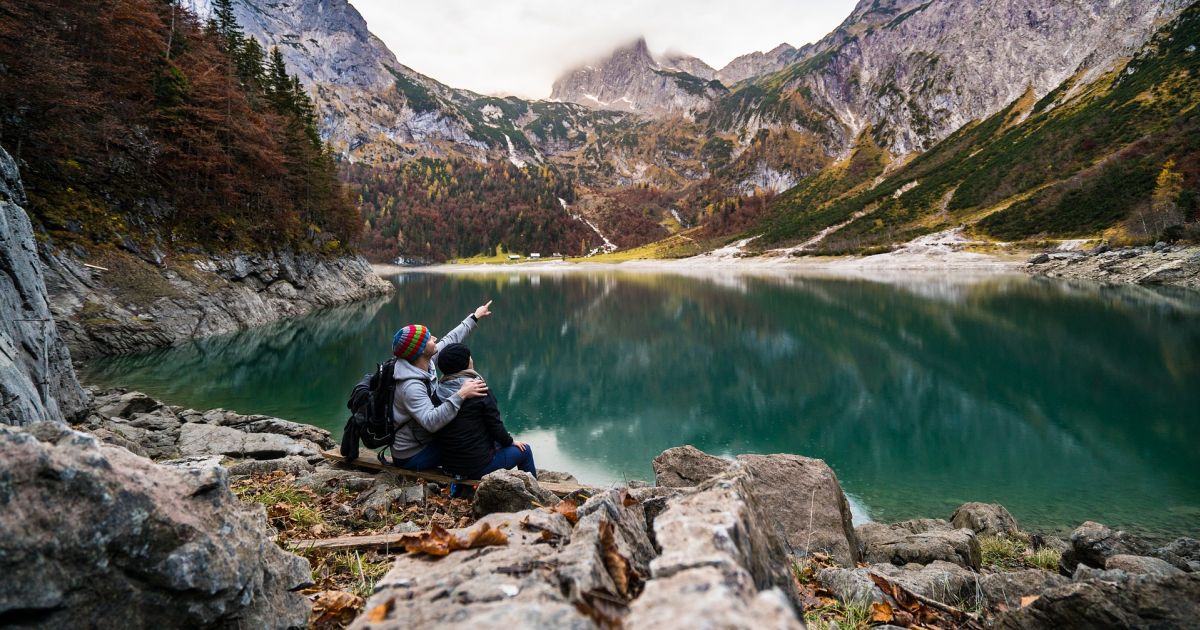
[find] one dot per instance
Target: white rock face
(917, 70)
(758, 63)
(632, 80)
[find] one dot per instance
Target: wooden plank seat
(370, 462)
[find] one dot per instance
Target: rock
(1040, 259)
(510, 491)
(941, 581)
(654, 501)
(1008, 588)
(899, 544)
(116, 439)
(787, 486)
(292, 465)
(707, 598)
(1137, 602)
(1184, 554)
(686, 466)
(384, 499)
(800, 492)
(207, 439)
(94, 535)
(37, 380)
(851, 586)
(267, 424)
(1093, 544)
(1141, 565)
(328, 478)
(514, 585)
(991, 519)
(722, 525)
(945, 582)
(550, 476)
(124, 405)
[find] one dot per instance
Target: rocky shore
(1162, 264)
(144, 501)
(118, 303)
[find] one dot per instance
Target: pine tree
(279, 84)
(249, 61)
(227, 25)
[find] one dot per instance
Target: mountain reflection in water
(1065, 402)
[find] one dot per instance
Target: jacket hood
(404, 370)
(450, 385)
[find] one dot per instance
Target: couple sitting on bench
(453, 423)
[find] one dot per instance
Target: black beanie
(453, 359)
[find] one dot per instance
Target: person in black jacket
(475, 442)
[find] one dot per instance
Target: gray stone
(686, 466)
(96, 536)
(1040, 259)
(945, 582)
(407, 527)
(267, 424)
(292, 465)
(207, 439)
(384, 499)
(1008, 588)
(1093, 544)
(125, 404)
(31, 349)
(551, 476)
(990, 519)
(1135, 602)
(721, 524)
(789, 487)
(705, 597)
(510, 491)
(1183, 553)
(328, 478)
(799, 493)
(851, 586)
(898, 544)
(1141, 565)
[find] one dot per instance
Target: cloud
(521, 46)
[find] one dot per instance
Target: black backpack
(370, 407)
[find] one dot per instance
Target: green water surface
(1064, 402)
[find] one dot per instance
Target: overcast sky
(521, 46)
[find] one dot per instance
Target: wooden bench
(370, 462)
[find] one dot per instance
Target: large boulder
(1141, 565)
(95, 536)
(802, 495)
(510, 491)
(37, 381)
(1093, 544)
(941, 581)
(208, 439)
(985, 519)
(919, 542)
(686, 466)
(719, 535)
(1128, 602)
(1183, 553)
(1007, 588)
(805, 501)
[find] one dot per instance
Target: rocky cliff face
(914, 71)
(37, 382)
(758, 63)
(632, 80)
(122, 304)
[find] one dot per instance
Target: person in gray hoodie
(416, 416)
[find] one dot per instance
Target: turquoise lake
(1065, 402)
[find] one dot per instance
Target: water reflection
(1064, 402)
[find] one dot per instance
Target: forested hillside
(136, 125)
(433, 209)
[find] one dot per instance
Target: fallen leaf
(619, 568)
(379, 613)
(881, 612)
(627, 499)
(567, 508)
(335, 609)
(1029, 599)
(485, 535)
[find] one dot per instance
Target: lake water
(1064, 402)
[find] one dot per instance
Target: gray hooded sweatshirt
(412, 410)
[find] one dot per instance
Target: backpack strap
(433, 398)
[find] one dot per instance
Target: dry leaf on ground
(334, 609)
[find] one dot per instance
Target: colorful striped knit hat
(409, 341)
